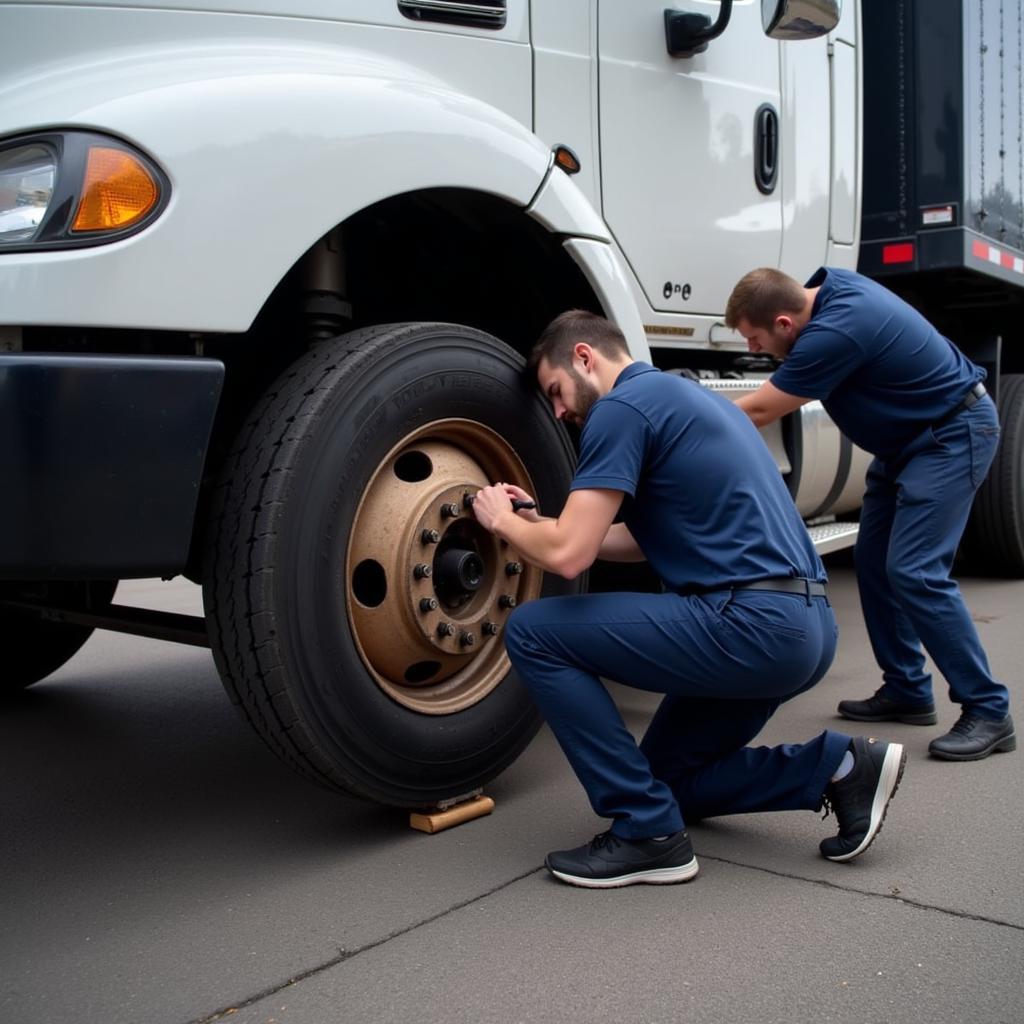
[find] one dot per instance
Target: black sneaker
(609, 861)
(881, 709)
(861, 799)
(973, 738)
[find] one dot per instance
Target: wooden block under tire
(437, 821)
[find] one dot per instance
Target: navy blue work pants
(914, 515)
(725, 660)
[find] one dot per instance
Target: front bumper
(101, 459)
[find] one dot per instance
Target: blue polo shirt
(881, 370)
(705, 500)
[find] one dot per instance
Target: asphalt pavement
(158, 864)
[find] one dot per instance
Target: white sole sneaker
(888, 781)
(652, 876)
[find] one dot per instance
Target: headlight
(27, 174)
(66, 189)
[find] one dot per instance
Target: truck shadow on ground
(163, 752)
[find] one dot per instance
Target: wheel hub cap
(429, 590)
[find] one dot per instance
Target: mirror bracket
(689, 34)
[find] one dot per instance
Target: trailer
(943, 208)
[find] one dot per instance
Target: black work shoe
(881, 709)
(973, 738)
(861, 798)
(609, 861)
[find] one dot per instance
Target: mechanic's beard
(586, 396)
(781, 344)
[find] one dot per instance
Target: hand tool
(517, 504)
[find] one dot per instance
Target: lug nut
(467, 500)
(490, 628)
(506, 601)
(445, 629)
(430, 536)
(428, 604)
(467, 639)
(422, 571)
(449, 510)
(513, 568)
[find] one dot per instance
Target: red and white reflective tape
(989, 253)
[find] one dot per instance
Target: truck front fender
(265, 150)
(564, 210)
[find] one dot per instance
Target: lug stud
(430, 536)
(490, 628)
(428, 604)
(506, 601)
(513, 568)
(422, 571)
(445, 629)
(467, 639)
(449, 510)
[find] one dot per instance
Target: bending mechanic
(744, 624)
(904, 393)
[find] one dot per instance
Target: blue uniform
(894, 386)
(881, 370)
(705, 509)
(707, 506)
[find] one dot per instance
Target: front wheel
(356, 608)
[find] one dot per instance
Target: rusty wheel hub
(429, 590)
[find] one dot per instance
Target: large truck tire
(32, 647)
(355, 607)
(996, 534)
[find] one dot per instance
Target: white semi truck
(268, 271)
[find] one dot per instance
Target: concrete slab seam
(916, 904)
(349, 954)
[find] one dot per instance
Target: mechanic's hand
(490, 504)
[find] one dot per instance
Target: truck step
(833, 536)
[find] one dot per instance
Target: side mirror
(689, 34)
(799, 19)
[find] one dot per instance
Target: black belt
(975, 395)
(787, 585)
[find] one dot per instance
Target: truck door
(678, 151)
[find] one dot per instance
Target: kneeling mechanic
(743, 625)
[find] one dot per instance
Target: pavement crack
(345, 955)
(350, 954)
(916, 904)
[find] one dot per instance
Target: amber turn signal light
(567, 159)
(117, 191)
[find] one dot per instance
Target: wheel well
(435, 255)
(463, 257)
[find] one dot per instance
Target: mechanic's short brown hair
(567, 329)
(761, 296)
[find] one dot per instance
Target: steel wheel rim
(428, 590)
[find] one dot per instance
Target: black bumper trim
(101, 458)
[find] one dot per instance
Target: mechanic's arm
(620, 546)
(768, 403)
(567, 545)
